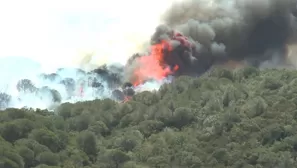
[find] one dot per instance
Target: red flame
(153, 66)
(126, 99)
(81, 91)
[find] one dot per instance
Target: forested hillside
(244, 118)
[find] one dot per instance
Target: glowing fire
(153, 66)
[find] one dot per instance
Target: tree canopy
(244, 118)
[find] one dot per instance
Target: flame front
(153, 66)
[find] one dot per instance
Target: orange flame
(81, 91)
(126, 99)
(153, 66)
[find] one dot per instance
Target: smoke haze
(86, 35)
(40, 37)
(28, 86)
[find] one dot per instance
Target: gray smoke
(251, 30)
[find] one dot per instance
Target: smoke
(28, 86)
(81, 34)
(191, 37)
(257, 32)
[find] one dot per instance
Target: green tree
(16, 129)
(182, 117)
(33, 145)
(48, 158)
(64, 110)
(86, 141)
(150, 127)
(99, 128)
(10, 132)
(80, 123)
(47, 138)
(27, 155)
(9, 158)
(116, 158)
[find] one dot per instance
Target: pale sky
(57, 32)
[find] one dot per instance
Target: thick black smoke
(254, 31)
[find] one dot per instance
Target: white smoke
(56, 34)
(153, 85)
(44, 99)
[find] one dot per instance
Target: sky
(58, 33)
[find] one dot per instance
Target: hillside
(238, 119)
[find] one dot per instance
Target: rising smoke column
(194, 35)
(254, 31)
(236, 29)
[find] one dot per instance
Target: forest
(243, 118)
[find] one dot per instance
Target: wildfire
(153, 66)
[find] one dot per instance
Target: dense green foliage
(239, 119)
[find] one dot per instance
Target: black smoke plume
(253, 31)
(256, 32)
